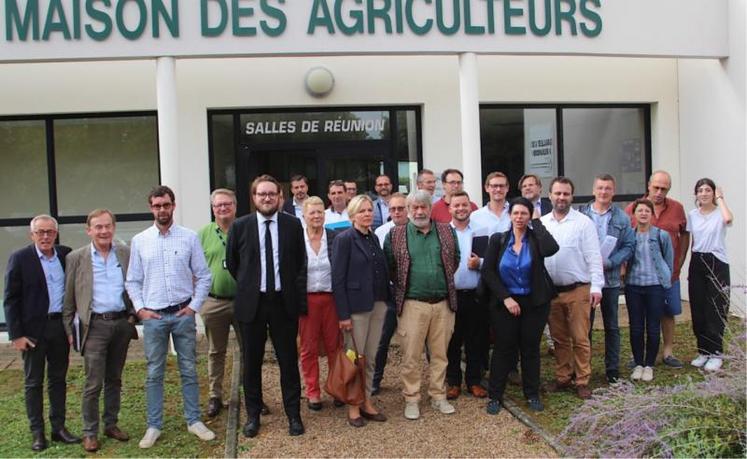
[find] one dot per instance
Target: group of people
(439, 272)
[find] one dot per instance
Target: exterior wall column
(469, 104)
(168, 132)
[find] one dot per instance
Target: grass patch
(175, 441)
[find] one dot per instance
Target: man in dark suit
(299, 188)
(262, 243)
(530, 186)
(34, 292)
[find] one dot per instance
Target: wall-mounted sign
(33, 30)
(315, 126)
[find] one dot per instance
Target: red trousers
(319, 325)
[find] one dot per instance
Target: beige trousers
(367, 327)
(217, 315)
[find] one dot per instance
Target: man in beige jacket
(95, 292)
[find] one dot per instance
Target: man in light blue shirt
(470, 327)
(494, 215)
(168, 280)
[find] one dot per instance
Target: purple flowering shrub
(694, 419)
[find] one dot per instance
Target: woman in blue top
(649, 275)
(519, 292)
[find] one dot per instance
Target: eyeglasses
(165, 206)
(497, 185)
(454, 182)
(268, 194)
(222, 204)
(45, 232)
(396, 209)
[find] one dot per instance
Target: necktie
(269, 264)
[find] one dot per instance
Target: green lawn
(175, 441)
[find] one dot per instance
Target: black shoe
(612, 377)
(265, 411)
(295, 427)
(535, 404)
(64, 436)
(214, 406)
(251, 428)
(39, 443)
(314, 406)
(338, 403)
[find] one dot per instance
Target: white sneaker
(202, 432)
(648, 374)
(150, 437)
(637, 373)
(443, 406)
(412, 411)
(713, 364)
(699, 361)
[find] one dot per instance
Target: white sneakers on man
(637, 373)
(713, 364)
(443, 406)
(150, 437)
(202, 432)
(412, 410)
(699, 361)
(647, 374)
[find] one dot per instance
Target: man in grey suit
(94, 289)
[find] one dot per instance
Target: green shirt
(426, 277)
(213, 241)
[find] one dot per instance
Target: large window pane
(74, 235)
(24, 181)
(605, 140)
(11, 239)
(224, 155)
(105, 162)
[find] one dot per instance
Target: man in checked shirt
(168, 281)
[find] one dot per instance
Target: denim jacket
(662, 254)
(620, 228)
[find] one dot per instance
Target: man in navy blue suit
(34, 292)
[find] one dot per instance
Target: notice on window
(540, 150)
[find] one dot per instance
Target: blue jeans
(610, 306)
(645, 308)
(156, 342)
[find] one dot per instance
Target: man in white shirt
(168, 280)
(494, 215)
(336, 215)
(576, 271)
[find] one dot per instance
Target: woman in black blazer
(361, 289)
(520, 291)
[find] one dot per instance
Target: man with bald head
(669, 215)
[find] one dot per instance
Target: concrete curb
(517, 412)
(234, 408)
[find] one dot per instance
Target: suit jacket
(545, 206)
(288, 207)
(26, 297)
(79, 288)
(352, 273)
(378, 216)
(243, 261)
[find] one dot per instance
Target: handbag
(346, 379)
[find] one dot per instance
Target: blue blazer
(352, 273)
(26, 298)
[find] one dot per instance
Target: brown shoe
(583, 392)
(557, 386)
(478, 391)
(452, 393)
(90, 443)
(115, 433)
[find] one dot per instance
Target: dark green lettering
(470, 29)
(325, 20)
(415, 27)
(274, 13)
(544, 30)
(567, 16)
(135, 33)
(491, 16)
(100, 16)
(357, 15)
(592, 16)
(508, 13)
(52, 25)
(13, 20)
(454, 27)
(237, 12)
(76, 19)
(171, 20)
(207, 29)
(399, 24)
(381, 13)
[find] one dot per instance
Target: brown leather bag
(346, 380)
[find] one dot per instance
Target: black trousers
(272, 316)
(390, 326)
(51, 350)
(471, 323)
(708, 285)
(520, 334)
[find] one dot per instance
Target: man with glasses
(34, 294)
(351, 189)
(669, 215)
(453, 181)
(266, 254)
(494, 215)
(168, 282)
(299, 188)
(426, 181)
(383, 186)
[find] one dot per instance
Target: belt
(569, 287)
(220, 298)
(465, 291)
(429, 300)
(172, 309)
(54, 316)
(109, 315)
